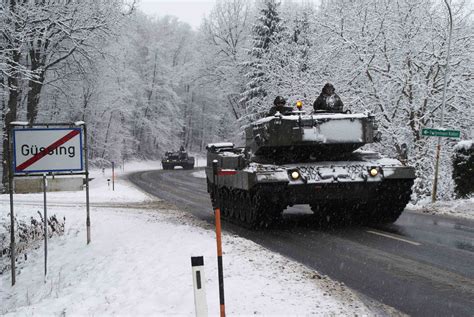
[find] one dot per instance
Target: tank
(177, 158)
(308, 159)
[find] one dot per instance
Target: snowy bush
(463, 169)
(28, 233)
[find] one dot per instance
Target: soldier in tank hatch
(182, 152)
(328, 100)
(279, 106)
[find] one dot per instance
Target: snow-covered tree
(37, 38)
(225, 33)
(389, 58)
(266, 33)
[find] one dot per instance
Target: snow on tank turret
(314, 159)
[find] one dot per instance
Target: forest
(145, 85)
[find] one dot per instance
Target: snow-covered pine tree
(289, 61)
(265, 32)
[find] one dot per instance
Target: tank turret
(300, 137)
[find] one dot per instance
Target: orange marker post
(219, 244)
(219, 262)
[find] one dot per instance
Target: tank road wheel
(235, 205)
(263, 212)
(239, 202)
(250, 210)
(211, 190)
(241, 213)
(226, 202)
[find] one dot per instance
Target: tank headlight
(374, 171)
(299, 104)
(295, 175)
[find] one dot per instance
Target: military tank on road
(177, 158)
(313, 159)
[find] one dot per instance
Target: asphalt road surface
(422, 265)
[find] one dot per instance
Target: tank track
(255, 209)
(394, 197)
(248, 209)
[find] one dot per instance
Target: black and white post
(197, 263)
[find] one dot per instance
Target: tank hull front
(336, 191)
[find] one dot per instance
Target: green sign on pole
(442, 133)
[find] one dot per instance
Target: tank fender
(399, 172)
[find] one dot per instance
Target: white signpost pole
(445, 80)
(86, 165)
(12, 216)
(45, 187)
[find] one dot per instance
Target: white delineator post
(200, 302)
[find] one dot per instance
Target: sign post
(438, 133)
(86, 161)
(113, 176)
(12, 215)
(46, 149)
(45, 187)
(445, 85)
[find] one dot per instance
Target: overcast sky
(189, 11)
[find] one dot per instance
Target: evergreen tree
(292, 76)
(266, 33)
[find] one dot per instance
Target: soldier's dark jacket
(328, 100)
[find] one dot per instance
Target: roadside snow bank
(199, 174)
(139, 264)
(462, 208)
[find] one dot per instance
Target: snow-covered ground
(199, 174)
(138, 263)
(462, 208)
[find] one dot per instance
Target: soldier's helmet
(328, 89)
(279, 100)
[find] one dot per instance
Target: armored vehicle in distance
(311, 159)
(177, 158)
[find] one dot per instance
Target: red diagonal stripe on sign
(52, 147)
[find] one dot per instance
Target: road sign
(44, 150)
(441, 132)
